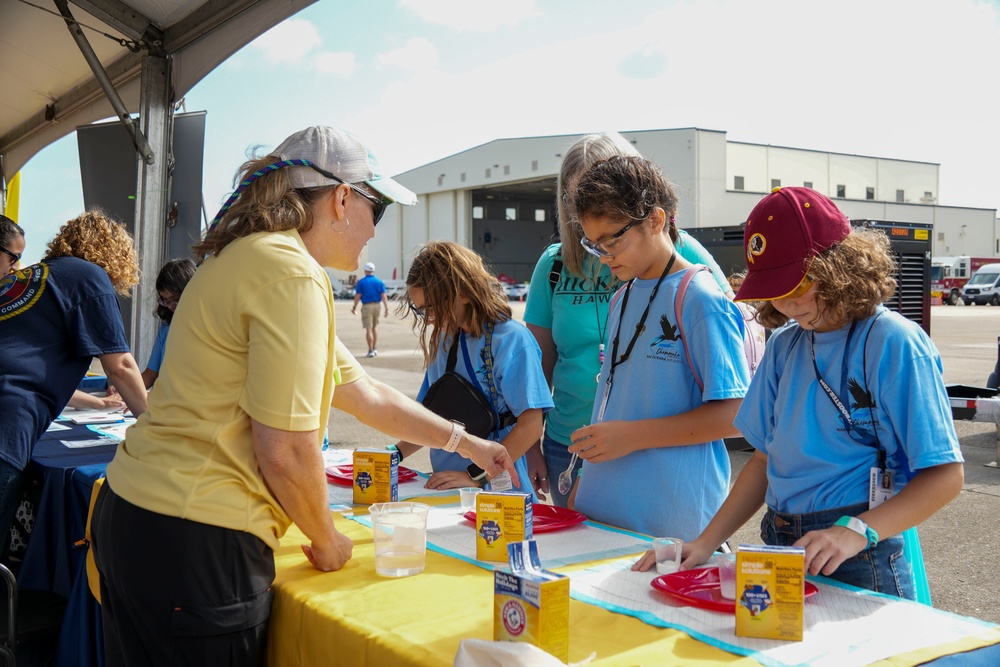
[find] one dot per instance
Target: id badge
(881, 487)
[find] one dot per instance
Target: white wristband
(457, 431)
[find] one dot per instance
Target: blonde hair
(580, 157)
(268, 203)
(445, 271)
(100, 240)
(853, 278)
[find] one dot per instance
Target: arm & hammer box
(376, 476)
(770, 592)
(501, 519)
(531, 604)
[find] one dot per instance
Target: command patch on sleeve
(20, 290)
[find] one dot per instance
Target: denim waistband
(800, 524)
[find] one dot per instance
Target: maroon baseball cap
(785, 230)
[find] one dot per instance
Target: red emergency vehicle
(949, 275)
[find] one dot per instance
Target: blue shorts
(883, 569)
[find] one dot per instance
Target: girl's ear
(462, 299)
(657, 220)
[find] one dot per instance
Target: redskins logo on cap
(755, 246)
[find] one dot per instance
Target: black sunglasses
(13, 256)
(379, 204)
(420, 312)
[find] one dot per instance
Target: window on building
(478, 212)
(841, 191)
(737, 183)
(900, 196)
(510, 213)
(506, 170)
(489, 172)
(462, 177)
(775, 183)
(440, 180)
(534, 165)
(807, 184)
(539, 215)
(869, 193)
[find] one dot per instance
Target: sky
(419, 80)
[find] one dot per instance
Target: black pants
(177, 592)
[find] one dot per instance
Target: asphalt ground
(961, 542)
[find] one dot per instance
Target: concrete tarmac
(958, 542)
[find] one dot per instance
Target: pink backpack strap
(689, 275)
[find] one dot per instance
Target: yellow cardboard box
(376, 476)
(501, 519)
(770, 591)
(531, 604)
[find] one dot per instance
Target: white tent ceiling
(47, 87)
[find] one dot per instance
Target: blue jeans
(557, 458)
(11, 485)
(883, 569)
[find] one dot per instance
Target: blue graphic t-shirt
(520, 384)
(668, 491)
(54, 318)
(813, 463)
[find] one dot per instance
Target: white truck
(983, 287)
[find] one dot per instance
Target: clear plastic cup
(668, 554)
(727, 574)
(468, 495)
(400, 531)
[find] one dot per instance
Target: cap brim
(393, 191)
(770, 284)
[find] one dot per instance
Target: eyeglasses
(610, 246)
(167, 303)
(420, 312)
(801, 288)
(13, 255)
(379, 204)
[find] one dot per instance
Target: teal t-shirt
(577, 313)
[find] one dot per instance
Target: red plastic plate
(547, 518)
(344, 475)
(700, 588)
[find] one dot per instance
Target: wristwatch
(477, 474)
(859, 527)
(457, 430)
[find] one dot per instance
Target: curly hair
(853, 278)
(173, 277)
(626, 188)
(444, 271)
(101, 240)
(268, 204)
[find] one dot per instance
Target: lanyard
(617, 361)
(488, 354)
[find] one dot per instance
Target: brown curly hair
(268, 204)
(853, 278)
(101, 240)
(445, 270)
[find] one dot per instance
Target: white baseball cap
(369, 268)
(340, 153)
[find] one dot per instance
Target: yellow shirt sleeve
(346, 368)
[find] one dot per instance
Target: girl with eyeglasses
(459, 308)
(654, 457)
(11, 245)
(848, 412)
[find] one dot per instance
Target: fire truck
(949, 275)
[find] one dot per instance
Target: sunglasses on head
(379, 204)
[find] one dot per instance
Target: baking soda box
(770, 591)
(501, 519)
(376, 476)
(531, 604)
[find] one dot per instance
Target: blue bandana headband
(247, 181)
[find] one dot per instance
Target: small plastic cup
(668, 554)
(727, 574)
(468, 495)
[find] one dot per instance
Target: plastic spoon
(565, 477)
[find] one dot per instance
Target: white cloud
(473, 15)
(418, 54)
(337, 63)
(288, 42)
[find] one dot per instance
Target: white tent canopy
(128, 59)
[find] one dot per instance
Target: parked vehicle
(950, 274)
(983, 287)
(517, 291)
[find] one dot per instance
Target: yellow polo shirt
(252, 337)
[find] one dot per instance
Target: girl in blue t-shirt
(654, 457)
(848, 412)
(458, 307)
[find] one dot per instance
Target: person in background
(567, 311)
(370, 291)
(457, 303)
(11, 245)
(848, 413)
(204, 486)
(654, 430)
(170, 283)
(57, 316)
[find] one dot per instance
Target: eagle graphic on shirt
(862, 402)
(669, 332)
